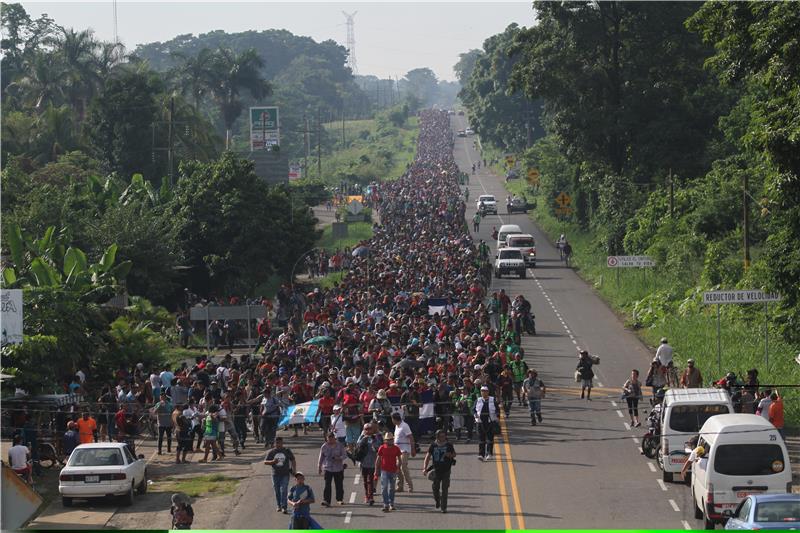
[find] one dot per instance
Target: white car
(102, 469)
(489, 203)
(509, 260)
(469, 131)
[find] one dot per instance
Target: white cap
(349, 380)
(380, 372)
(485, 388)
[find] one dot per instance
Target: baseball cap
(380, 372)
(298, 474)
(485, 388)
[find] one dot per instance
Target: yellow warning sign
(511, 160)
(533, 173)
(563, 199)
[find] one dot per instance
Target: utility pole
(170, 137)
(319, 143)
(746, 222)
(308, 144)
(671, 196)
(344, 145)
(391, 90)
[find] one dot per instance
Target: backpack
(361, 450)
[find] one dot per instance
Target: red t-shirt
(326, 405)
(388, 454)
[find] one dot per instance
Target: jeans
(280, 483)
(338, 478)
(404, 474)
(441, 484)
(388, 480)
(162, 430)
(535, 405)
(269, 426)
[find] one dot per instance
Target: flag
(427, 416)
(440, 305)
(300, 413)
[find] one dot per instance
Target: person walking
(776, 412)
(332, 455)
(163, 411)
(404, 439)
(368, 444)
(181, 511)
(486, 414)
(691, 377)
(387, 465)
(440, 459)
(283, 464)
(632, 392)
(664, 353)
(270, 411)
(586, 373)
(519, 369)
(182, 425)
(535, 391)
(301, 496)
(210, 431)
(476, 222)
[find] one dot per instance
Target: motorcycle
(651, 441)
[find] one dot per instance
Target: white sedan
(102, 469)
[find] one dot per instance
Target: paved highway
(580, 469)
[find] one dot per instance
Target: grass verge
(196, 486)
(356, 232)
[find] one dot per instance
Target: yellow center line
(512, 476)
(502, 483)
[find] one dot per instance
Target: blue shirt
(301, 492)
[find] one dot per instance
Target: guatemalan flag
(301, 413)
(427, 416)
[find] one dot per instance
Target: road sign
(563, 199)
(355, 207)
(563, 211)
(11, 300)
(264, 128)
(739, 297)
(533, 176)
(511, 160)
(629, 261)
(295, 172)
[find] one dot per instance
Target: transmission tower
(351, 42)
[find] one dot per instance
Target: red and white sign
(629, 261)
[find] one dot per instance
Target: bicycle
(48, 456)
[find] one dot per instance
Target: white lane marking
(627, 426)
(347, 516)
(355, 481)
(635, 440)
(674, 505)
(613, 403)
(686, 525)
(661, 484)
(574, 342)
(599, 384)
(619, 414)
(352, 497)
(651, 466)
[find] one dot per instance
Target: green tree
(423, 84)
(465, 65)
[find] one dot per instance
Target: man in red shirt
(387, 464)
(776, 412)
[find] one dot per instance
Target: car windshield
(778, 512)
(486, 199)
(521, 243)
(690, 418)
(749, 459)
(96, 457)
(510, 254)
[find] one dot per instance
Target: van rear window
(749, 459)
(521, 242)
(690, 418)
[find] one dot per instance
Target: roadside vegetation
(675, 130)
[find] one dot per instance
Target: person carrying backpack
(366, 452)
(181, 511)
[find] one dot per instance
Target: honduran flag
(301, 413)
(440, 305)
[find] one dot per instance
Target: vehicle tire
(649, 446)
(66, 502)
(127, 499)
(667, 477)
(142, 488)
(707, 524)
(698, 513)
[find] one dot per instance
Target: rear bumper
(94, 490)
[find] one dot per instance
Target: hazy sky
(391, 38)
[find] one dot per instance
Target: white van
(526, 245)
(745, 455)
(683, 413)
(505, 231)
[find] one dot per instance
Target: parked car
(489, 203)
(461, 133)
(766, 511)
(102, 469)
(469, 131)
(509, 260)
(517, 205)
(512, 175)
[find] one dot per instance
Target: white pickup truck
(489, 203)
(509, 260)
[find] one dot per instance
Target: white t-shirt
(764, 404)
(402, 437)
(18, 455)
(222, 413)
(338, 427)
(664, 354)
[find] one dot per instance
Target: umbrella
(322, 339)
(361, 251)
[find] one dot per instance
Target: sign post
(629, 261)
(741, 297)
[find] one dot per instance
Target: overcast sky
(391, 38)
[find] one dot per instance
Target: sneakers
(279, 509)
(533, 421)
(481, 458)
(385, 509)
(392, 508)
(436, 503)
(539, 416)
(340, 502)
(444, 510)
(325, 504)
(489, 458)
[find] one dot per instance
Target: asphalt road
(580, 469)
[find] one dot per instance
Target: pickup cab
(509, 260)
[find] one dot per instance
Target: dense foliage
(654, 114)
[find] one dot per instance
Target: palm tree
(42, 84)
(54, 133)
(77, 52)
(194, 75)
(233, 73)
